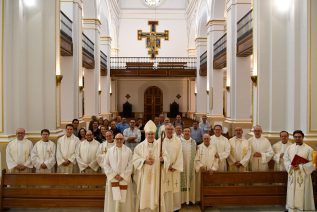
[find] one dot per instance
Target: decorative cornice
(212, 22)
(94, 21)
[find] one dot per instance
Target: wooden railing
(220, 45)
(103, 59)
(203, 64)
(66, 25)
(244, 26)
(156, 63)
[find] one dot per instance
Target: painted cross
(153, 38)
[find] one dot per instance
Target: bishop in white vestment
(43, 154)
(279, 148)
(300, 196)
(205, 160)
(261, 151)
(188, 179)
(118, 168)
(171, 178)
(18, 153)
(86, 154)
(103, 149)
(223, 148)
(146, 162)
(240, 152)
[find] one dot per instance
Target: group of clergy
(166, 172)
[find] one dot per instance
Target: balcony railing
(88, 46)
(66, 25)
(220, 46)
(203, 58)
(103, 59)
(244, 26)
(156, 63)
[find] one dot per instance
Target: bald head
(119, 140)
(238, 132)
(89, 135)
(20, 133)
(206, 139)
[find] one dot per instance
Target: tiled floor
(192, 208)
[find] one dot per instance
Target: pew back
(32, 190)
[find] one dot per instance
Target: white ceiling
(165, 4)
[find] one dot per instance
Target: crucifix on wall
(153, 38)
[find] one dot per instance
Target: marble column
(201, 98)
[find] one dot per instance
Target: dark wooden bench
(139, 65)
(178, 65)
(52, 190)
(245, 188)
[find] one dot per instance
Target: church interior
(239, 62)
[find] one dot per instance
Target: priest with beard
(118, 169)
(149, 164)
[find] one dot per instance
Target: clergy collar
(46, 141)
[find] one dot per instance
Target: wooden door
(153, 102)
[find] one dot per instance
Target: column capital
(91, 24)
(201, 41)
(104, 40)
(215, 25)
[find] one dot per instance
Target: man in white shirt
(279, 148)
(204, 124)
(240, 152)
(18, 153)
(132, 135)
(43, 154)
(86, 154)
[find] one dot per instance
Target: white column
(201, 98)
(92, 76)
(29, 67)
(105, 45)
(216, 28)
(238, 68)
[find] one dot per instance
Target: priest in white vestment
(261, 151)
(240, 152)
(43, 154)
(300, 196)
(205, 160)
(118, 168)
(65, 151)
(18, 153)
(173, 146)
(279, 148)
(103, 148)
(146, 161)
(86, 154)
(223, 148)
(188, 179)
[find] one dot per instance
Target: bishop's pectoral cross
(153, 38)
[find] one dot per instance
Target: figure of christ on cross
(153, 38)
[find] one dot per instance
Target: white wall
(165, 4)
(133, 20)
(136, 88)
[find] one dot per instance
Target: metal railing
(203, 58)
(88, 45)
(103, 59)
(66, 25)
(220, 46)
(121, 62)
(244, 26)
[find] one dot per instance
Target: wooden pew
(52, 190)
(245, 188)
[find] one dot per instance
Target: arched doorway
(153, 102)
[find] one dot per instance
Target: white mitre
(150, 127)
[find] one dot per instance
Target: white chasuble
(205, 157)
(147, 176)
(278, 149)
(263, 146)
(86, 156)
(19, 153)
(66, 147)
(119, 194)
(188, 179)
(44, 152)
(300, 196)
(101, 153)
(223, 150)
(172, 179)
(240, 152)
